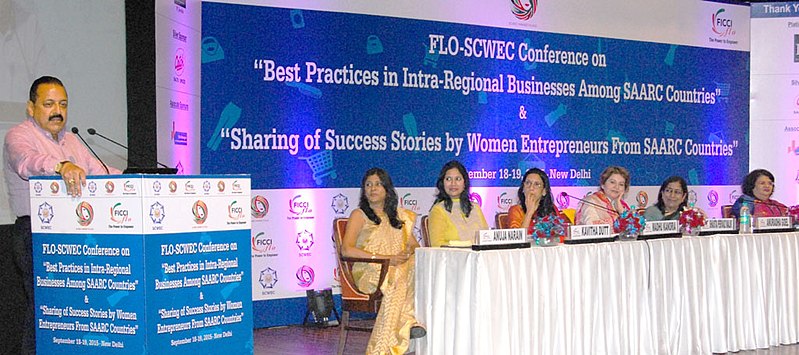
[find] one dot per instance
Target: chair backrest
(426, 230)
(726, 211)
(352, 298)
(570, 213)
(501, 220)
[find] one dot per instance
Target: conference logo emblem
(721, 24)
(156, 186)
(268, 278)
(563, 201)
(262, 243)
(206, 186)
(236, 186)
(128, 187)
(475, 197)
(235, 212)
(173, 186)
(37, 186)
(119, 214)
(409, 203)
(200, 212)
(305, 240)
(642, 198)
(305, 276)
(524, 9)
(259, 206)
(220, 186)
(504, 201)
(299, 207)
(54, 187)
(109, 187)
(336, 274)
(45, 213)
(92, 187)
(157, 213)
(712, 198)
(85, 213)
(188, 187)
(340, 204)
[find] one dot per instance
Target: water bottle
(744, 220)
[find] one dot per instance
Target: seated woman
(379, 229)
(605, 205)
(453, 216)
(672, 198)
(757, 188)
(535, 201)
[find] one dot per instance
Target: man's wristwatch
(60, 166)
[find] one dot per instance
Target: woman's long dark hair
(466, 204)
(748, 185)
(683, 185)
(389, 205)
(547, 205)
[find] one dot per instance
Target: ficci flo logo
(722, 25)
(524, 9)
(85, 213)
(200, 212)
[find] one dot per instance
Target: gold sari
(391, 333)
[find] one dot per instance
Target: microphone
(94, 132)
(564, 194)
(77, 132)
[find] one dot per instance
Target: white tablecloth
(671, 296)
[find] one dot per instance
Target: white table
(673, 296)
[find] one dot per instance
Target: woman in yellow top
(380, 229)
(454, 216)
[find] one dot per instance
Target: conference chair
(353, 300)
(726, 211)
(569, 213)
(501, 220)
(426, 230)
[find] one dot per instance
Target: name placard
(501, 236)
(769, 223)
(589, 232)
(661, 227)
(720, 225)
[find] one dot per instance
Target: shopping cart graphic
(321, 165)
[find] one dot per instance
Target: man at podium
(40, 145)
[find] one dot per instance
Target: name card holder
(720, 226)
(660, 229)
(492, 239)
(590, 233)
(773, 224)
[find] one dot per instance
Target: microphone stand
(77, 133)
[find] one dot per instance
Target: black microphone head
(91, 131)
(564, 194)
(75, 130)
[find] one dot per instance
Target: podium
(143, 264)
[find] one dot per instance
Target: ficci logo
(504, 201)
(722, 26)
(119, 214)
(235, 212)
(298, 206)
(409, 203)
(262, 243)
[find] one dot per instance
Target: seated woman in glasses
(672, 198)
(757, 188)
(535, 201)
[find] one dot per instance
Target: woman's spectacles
(536, 184)
(672, 192)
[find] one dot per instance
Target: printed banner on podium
(143, 264)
